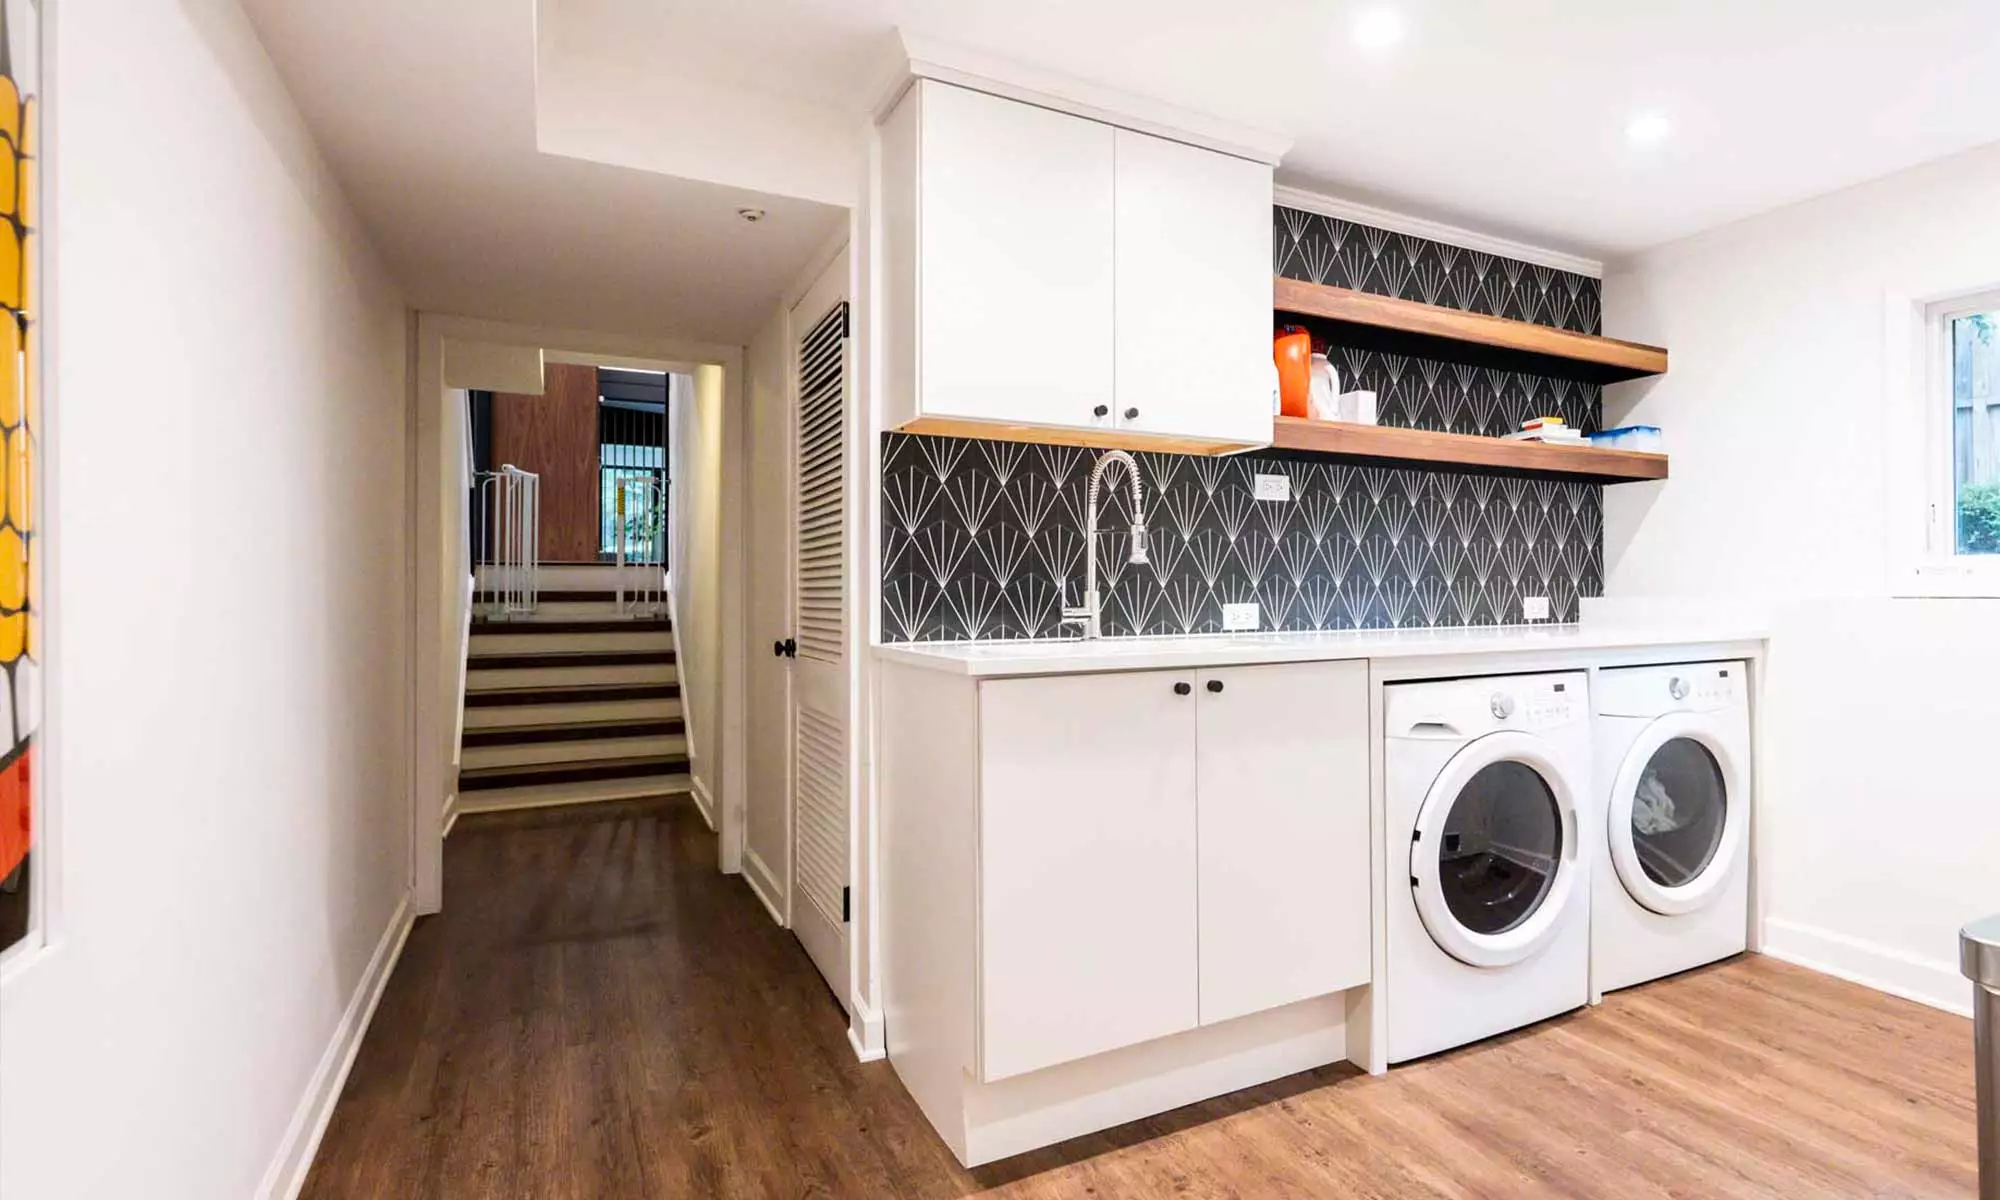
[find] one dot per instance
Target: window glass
(1500, 845)
(1975, 425)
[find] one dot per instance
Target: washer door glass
(1679, 811)
(1501, 845)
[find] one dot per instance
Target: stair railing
(508, 541)
(642, 542)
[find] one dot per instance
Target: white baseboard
(287, 1172)
(704, 803)
(864, 1033)
(764, 881)
(1883, 968)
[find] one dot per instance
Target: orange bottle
(1292, 348)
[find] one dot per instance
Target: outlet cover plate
(1534, 608)
(1274, 487)
(1240, 618)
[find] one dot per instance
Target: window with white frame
(1968, 502)
(1947, 448)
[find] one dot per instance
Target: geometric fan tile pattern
(984, 539)
(1323, 249)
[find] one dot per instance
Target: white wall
(767, 601)
(696, 569)
(1881, 800)
(230, 596)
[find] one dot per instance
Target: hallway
(599, 1014)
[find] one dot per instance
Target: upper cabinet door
(1014, 261)
(1086, 866)
(1193, 340)
(1283, 753)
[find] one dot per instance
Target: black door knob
(788, 648)
(1131, 414)
(1102, 410)
(1183, 688)
(778, 648)
(1215, 685)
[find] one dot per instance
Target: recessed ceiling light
(752, 215)
(1648, 129)
(1379, 28)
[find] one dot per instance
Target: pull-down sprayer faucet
(1090, 612)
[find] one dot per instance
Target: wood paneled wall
(555, 436)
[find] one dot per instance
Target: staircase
(577, 704)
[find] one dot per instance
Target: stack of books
(1548, 429)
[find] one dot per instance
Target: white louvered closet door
(821, 672)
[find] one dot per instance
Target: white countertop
(1056, 657)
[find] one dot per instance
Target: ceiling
(426, 111)
(581, 162)
(1509, 118)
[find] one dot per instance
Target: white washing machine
(1488, 782)
(1671, 868)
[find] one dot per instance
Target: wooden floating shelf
(1386, 444)
(1368, 322)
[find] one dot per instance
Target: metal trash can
(1979, 958)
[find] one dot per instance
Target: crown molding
(945, 62)
(1436, 231)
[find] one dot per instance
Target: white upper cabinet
(1047, 274)
(1192, 334)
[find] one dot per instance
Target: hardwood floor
(598, 1014)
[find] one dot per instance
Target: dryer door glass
(1501, 843)
(1678, 812)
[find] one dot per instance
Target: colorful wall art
(20, 431)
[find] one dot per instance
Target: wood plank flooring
(599, 1014)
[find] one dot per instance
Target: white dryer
(1671, 888)
(1487, 786)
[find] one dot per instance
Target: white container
(1356, 407)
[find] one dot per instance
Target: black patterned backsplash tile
(1322, 249)
(984, 539)
(980, 537)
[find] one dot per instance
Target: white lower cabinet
(1281, 758)
(1086, 866)
(1159, 850)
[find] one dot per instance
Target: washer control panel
(1657, 691)
(1538, 702)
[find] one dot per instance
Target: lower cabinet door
(1086, 866)
(1283, 831)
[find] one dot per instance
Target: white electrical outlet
(1534, 608)
(1239, 617)
(1274, 487)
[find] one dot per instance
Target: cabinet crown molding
(918, 57)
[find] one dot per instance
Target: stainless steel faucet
(1089, 614)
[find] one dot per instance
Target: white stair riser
(474, 757)
(555, 677)
(550, 795)
(579, 610)
(579, 577)
(513, 716)
(568, 643)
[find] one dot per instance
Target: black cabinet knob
(1102, 410)
(1131, 414)
(778, 648)
(1183, 688)
(788, 648)
(1215, 685)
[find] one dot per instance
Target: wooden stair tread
(574, 694)
(555, 659)
(524, 735)
(572, 595)
(533, 774)
(603, 625)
